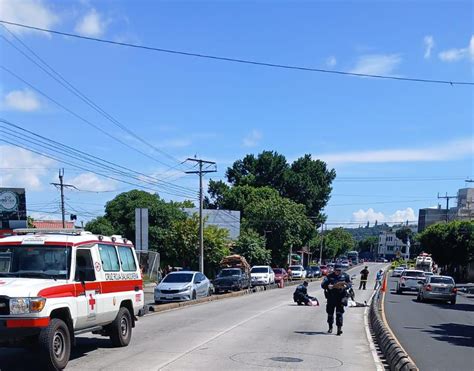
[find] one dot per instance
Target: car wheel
(399, 290)
(216, 291)
(55, 344)
(193, 295)
(120, 330)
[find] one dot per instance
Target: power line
(238, 60)
(70, 87)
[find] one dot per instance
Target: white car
(55, 284)
(182, 286)
(297, 271)
(262, 275)
(397, 272)
(410, 280)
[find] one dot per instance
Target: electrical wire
(238, 60)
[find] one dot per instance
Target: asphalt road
(437, 336)
(260, 331)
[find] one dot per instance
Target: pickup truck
(231, 279)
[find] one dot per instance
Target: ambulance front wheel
(120, 329)
(55, 344)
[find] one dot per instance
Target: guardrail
(396, 357)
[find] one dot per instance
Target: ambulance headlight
(26, 305)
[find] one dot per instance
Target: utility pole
(61, 187)
(322, 244)
(201, 204)
(447, 204)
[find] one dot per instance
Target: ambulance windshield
(35, 261)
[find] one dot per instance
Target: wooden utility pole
(61, 187)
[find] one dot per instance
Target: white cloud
(31, 12)
(454, 55)
(331, 61)
(92, 182)
(451, 150)
(429, 45)
(92, 24)
(370, 215)
(21, 100)
(377, 64)
(252, 139)
(22, 168)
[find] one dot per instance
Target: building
(464, 210)
(226, 219)
(390, 246)
(52, 224)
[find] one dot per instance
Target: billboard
(12, 208)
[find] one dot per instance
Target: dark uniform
(364, 274)
(335, 298)
(301, 295)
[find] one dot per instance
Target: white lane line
(219, 335)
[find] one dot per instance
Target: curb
(396, 357)
(157, 308)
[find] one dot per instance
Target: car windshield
(259, 270)
(295, 268)
(445, 280)
(413, 274)
(178, 278)
(35, 261)
(229, 273)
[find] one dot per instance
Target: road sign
(141, 229)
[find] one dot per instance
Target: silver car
(182, 286)
(437, 288)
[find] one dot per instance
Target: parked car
(262, 275)
(231, 279)
(324, 270)
(345, 264)
(297, 272)
(313, 272)
(280, 275)
(397, 272)
(437, 288)
(409, 280)
(182, 286)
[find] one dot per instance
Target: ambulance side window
(127, 259)
(109, 258)
(84, 267)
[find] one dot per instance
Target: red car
(324, 270)
(281, 275)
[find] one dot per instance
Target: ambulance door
(87, 289)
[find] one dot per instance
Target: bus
(353, 256)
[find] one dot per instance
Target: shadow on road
(311, 333)
(19, 359)
(460, 306)
(454, 333)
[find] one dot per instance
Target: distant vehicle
(182, 286)
(262, 275)
(345, 264)
(397, 272)
(409, 280)
(313, 272)
(297, 271)
(437, 288)
(280, 275)
(353, 256)
(424, 262)
(429, 274)
(341, 266)
(231, 279)
(324, 270)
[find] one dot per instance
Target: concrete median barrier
(395, 355)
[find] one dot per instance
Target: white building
(390, 246)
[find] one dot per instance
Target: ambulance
(56, 284)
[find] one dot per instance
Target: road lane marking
(219, 335)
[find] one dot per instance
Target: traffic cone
(384, 284)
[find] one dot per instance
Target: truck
(424, 262)
(234, 274)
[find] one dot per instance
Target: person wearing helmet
(301, 296)
(335, 286)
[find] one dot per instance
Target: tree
(100, 225)
(252, 246)
(368, 244)
(216, 246)
(404, 234)
(336, 242)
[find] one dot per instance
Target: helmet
(305, 283)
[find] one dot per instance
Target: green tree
(337, 242)
(404, 234)
(367, 244)
(216, 246)
(252, 246)
(100, 225)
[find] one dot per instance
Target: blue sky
(418, 138)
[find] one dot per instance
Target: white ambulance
(58, 284)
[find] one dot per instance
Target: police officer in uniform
(301, 294)
(335, 286)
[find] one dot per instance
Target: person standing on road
(335, 287)
(378, 279)
(364, 274)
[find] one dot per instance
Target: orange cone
(384, 284)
